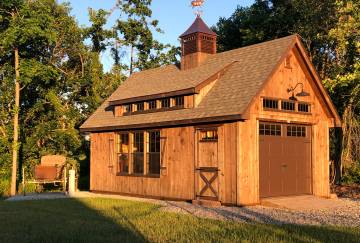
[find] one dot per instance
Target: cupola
(197, 43)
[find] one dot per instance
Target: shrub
(5, 185)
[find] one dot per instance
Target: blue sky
(174, 16)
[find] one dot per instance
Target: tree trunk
(16, 125)
(131, 59)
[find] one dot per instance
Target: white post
(72, 187)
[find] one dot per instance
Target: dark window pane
(138, 163)
(140, 106)
(270, 103)
(128, 108)
(179, 101)
(288, 105)
(303, 107)
(154, 152)
(165, 103)
(122, 150)
(152, 104)
(138, 153)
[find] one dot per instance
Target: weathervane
(197, 5)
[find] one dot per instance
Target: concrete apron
(302, 202)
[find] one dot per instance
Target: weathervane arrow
(197, 4)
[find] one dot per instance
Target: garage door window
(296, 131)
(270, 129)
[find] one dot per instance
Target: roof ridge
(258, 44)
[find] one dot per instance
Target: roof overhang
(205, 120)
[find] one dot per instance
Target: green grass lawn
(108, 220)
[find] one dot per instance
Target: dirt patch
(348, 191)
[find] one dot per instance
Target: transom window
(165, 103)
(270, 103)
(152, 104)
(303, 107)
(208, 135)
(155, 105)
(288, 105)
(270, 129)
(140, 106)
(296, 131)
(179, 101)
(128, 108)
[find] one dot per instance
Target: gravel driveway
(346, 214)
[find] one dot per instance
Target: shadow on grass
(62, 220)
(109, 220)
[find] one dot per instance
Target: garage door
(285, 159)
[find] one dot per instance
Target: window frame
(149, 152)
(207, 131)
(266, 100)
(119, 152)
(143, 152)
(134, 154)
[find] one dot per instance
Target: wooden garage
(230, 127)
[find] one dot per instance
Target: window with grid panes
(153, 154)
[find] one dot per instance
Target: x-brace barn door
(207, 171)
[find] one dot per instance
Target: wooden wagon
(52, 170)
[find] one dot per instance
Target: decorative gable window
(270, 103)
(288, 105)
(303, 107)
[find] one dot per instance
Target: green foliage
(133, 32)
(61, 78)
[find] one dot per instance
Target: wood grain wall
(177, 174)
(320, 120)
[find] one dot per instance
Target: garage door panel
(285, 160)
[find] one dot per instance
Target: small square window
(208, 135)
(288, 105)
(140, 106)
(127, 108)
(152, 104)
(165, 103)
(303, 107)
(179, 101)
(269, 129)
(270, 104)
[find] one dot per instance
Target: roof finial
(197, 5)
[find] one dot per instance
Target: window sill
(288, 111)
(138, 175)
(153, 110)
(208, 141)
